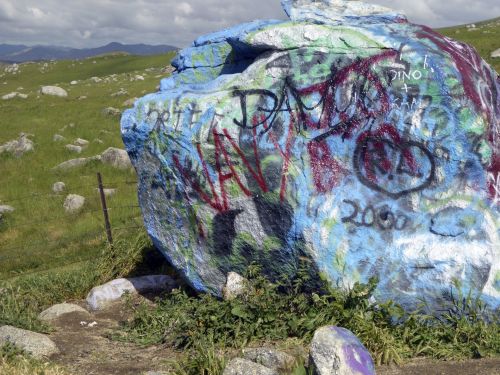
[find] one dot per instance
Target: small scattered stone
(129, 102)
(235, 286)
(73, 148)
(116, 158)
(56, 311)
(58, 138)
(108, 192)
(104, 295)
(59, 187)
(74, 163)
(120, 92)
(53, 91)
(13, 95)
(271, 358)
(240, 366)
(73, 83)
(495, 53)
(73, 203)
(110, 111)
(9, 96)
(4, 209)
(139, 78)
(336, 350)
(97, 140)
(18, 147)
(82, 97)
(81, 142)
(36, 344)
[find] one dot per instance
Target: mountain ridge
(18, 53)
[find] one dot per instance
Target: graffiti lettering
(367, 99)
(326, 170)
(381, 217)
(385, 163)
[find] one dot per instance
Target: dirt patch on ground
(86, 348)
(429, 367)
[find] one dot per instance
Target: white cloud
(37, 13)
(185, 8)
(96, 22)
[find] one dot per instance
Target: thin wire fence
(100, 218)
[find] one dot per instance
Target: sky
(92, 23)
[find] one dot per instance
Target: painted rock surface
(346, 138)
(336, 350)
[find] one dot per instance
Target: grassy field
(39, 235)
(485, 37)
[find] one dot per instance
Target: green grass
(39, 235)
(485, 38)
(276, 313)
(23, 298)
(14, 361)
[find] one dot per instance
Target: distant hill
(22, 53)
(484, 37)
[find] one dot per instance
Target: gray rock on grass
(116, 158)
(74, 148)
(235, 286)
(74, 203)
(81, 142)
(58, 138)
(111, 111)
(18, 147)
(240, 366)
(36, 344)
(496, 53)
(75, 163)
(58, 187)
(103, 295)
(271, 358)
(13, 95)
(108, 192)
(5, 209)
(129, 102)
(336, 350)
(53, 91)
(56, 311)
(120, 92)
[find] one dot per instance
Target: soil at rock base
(88, 351)
(487, 366)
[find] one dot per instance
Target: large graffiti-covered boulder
(347, 140)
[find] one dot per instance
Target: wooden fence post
(105, 209)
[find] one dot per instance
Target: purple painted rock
(347, 138)
(335, 350)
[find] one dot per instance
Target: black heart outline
(361, 150)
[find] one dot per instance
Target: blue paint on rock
(349, 137)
